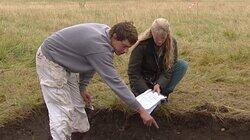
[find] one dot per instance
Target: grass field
(213, 36)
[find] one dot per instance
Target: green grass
(213, 37)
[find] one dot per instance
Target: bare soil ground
(114, 125)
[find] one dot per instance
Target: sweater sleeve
(84, 79)
(103, 65)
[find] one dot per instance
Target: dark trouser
(179, 71)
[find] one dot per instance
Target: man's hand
(157, 88)
(86, 97)
(148, 120)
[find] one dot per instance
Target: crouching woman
(154, 62)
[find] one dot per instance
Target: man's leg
(56, 93)
(179, 71)
(60, 111)
(79, 116)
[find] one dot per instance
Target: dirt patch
(113, 125)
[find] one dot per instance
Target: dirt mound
(113, 125)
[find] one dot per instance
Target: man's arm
(103, 64)
(84, 79)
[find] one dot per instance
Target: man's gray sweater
(86, 49)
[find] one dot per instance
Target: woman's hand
(148, 120)
(157, 88)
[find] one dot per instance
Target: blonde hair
(160, 26)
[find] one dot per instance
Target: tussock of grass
(212, 36)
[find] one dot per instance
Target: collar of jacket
(151, 50)
(150, 46)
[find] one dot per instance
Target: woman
(153, 62)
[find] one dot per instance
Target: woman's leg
(179, 71)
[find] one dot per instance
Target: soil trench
(114, 125)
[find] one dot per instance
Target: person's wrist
(141, 110)
(158, 86)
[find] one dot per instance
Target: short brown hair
(124, 31)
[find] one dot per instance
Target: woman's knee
(182, 64)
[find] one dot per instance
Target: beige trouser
(62, 97)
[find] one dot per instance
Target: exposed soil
(114, 125)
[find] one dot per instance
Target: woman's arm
(166, 75)
(136, 80)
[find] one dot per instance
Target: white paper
(149, 100)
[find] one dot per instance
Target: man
(84, 49)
